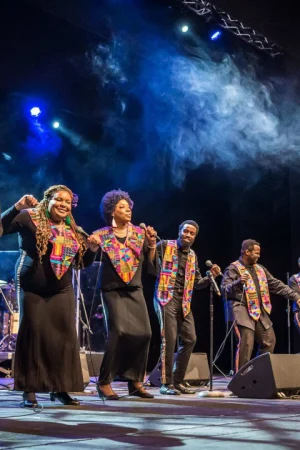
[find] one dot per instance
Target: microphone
(213, 282)
(143, 225)
(209, 264)
(81, 231)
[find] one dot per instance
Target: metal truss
(226, 21)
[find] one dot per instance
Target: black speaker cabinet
(266, 375)
(197, 372)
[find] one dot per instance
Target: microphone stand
(212, 288)
(288, 310)
(80, 299)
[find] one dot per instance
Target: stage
(185, 421)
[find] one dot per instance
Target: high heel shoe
(64, 398)
(29, 400)
(136, 389)
(105, 392)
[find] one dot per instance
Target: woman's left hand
(93, 242)
(151, 236)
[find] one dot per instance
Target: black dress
(127, 320)
(47, 350)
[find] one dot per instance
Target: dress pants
(173, 324)
(246, 337)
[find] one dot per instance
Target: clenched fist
(26, 202)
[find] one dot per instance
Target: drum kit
(9, 316)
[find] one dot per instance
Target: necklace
(121, 233)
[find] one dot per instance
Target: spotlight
(215, 35)
(35, 111)
(184, 28)
(55, 124)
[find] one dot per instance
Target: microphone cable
(228, 330)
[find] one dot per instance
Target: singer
(246, 288)
(124, 248)
(47, 351)
(294, 283)
(179, 274)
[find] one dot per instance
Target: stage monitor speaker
(85, 370)
(94, 361)
(197, 372)
(266, 376)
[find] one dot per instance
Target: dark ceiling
(276, 20)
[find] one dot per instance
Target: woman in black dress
(124, 248)
(47, 350)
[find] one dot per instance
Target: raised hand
(25, 202)
(151, 236)
(215, 270)
(93, 242)
(244, 278)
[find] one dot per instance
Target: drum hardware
(10, 319)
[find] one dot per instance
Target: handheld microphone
(81, 231)
(209, 264)
(143, 225)
(213, 282)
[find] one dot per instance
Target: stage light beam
(35, 111)
(56, 124)
(184, 28)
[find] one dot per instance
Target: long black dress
(129, 330)
(47, 350)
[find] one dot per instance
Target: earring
(113, 223)
(68, 221)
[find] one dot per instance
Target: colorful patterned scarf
(124, 257)
(166, 281)
(64, 246)
(252, 298)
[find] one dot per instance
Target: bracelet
(154, 246)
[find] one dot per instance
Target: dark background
(99, 68)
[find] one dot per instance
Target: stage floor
(185, 421)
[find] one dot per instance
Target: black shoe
(105, 392)
(169, 389)
(184, 390)
(29, 400)
(64, 398)
(138, 391)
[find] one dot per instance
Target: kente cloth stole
(64, 246)
(166, 281)
(124, 257)
(251, 293)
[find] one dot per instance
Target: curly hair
(109, 202)
(43, 231)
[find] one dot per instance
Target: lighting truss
(226, 21)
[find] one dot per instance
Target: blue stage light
(35, 111)
(185, 28)
(55, 124)
(215, 35)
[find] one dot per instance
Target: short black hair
(109, 202)
(189, 222)
(248, 244)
